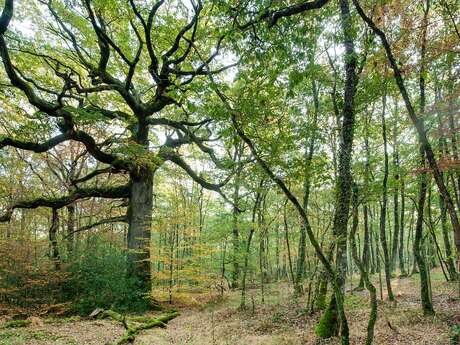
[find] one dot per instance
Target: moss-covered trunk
(344, 178)
(419, 259)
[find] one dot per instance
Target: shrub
(28, 280)
(98, 279)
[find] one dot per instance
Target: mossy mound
(327, 326)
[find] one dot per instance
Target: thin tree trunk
(401, 235)
(424, 287)
(70, 229)
(261, 258)
(222, 271)
(396, 219)
(55, 257)
(362, 268)
(424, 278)
(307, 185)
(383, 213)
(235, 231)
(248, 246)
(288, 246)
(447, 246)
(366, 256)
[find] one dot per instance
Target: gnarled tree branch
(59, 202)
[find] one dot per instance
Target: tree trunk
(307, 186)
(453, 131)
(344, 178)
(424, 287)
(248, 246)
(447, 246)
(55, 257)
(383, 213)
(396, 225)
(140, 221)
(288, 246)
(235, 232)
(362, 268)
(70, 229)
(401, 234)
(424, 279)
(366, 258)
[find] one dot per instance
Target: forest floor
(281, 320)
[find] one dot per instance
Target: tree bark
(140, 220)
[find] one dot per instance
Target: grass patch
(354, 302)
(16, 323)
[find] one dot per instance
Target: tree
(89, 82)
(383, 209)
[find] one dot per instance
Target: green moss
(327, 325)
(321, 302)
(321, 295)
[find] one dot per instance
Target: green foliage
(98, 280)
(455, 335)
(16, 324)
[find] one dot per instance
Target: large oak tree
(89, 69)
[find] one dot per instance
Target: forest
(230, 172)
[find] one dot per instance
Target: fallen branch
(134, 325)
